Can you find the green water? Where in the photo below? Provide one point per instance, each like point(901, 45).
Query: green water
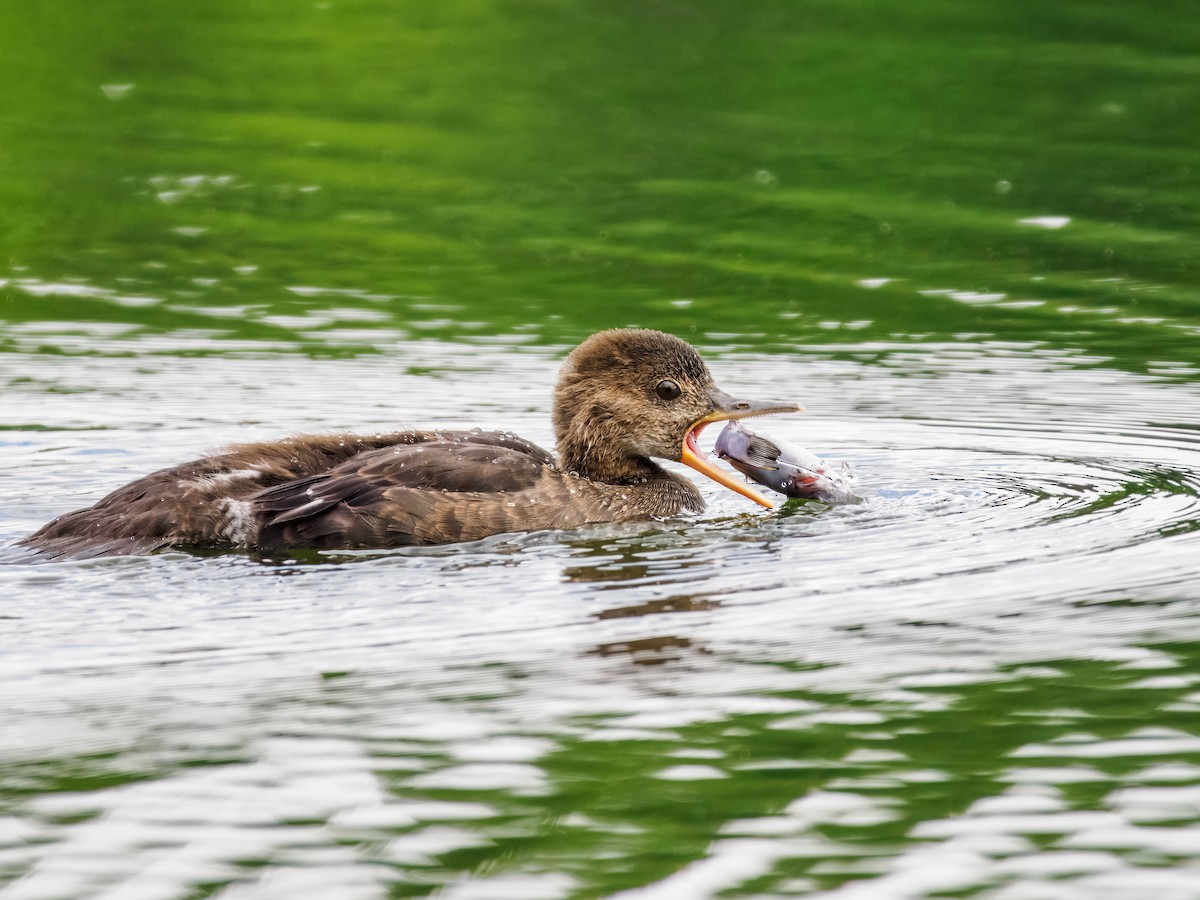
point(557, 168)
point(965, 234)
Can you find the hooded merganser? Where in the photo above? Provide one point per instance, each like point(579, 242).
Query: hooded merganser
point(624, 397)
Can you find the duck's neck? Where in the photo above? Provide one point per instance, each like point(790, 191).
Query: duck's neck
point(597, 443)
point(590, 455)
point(643, 484)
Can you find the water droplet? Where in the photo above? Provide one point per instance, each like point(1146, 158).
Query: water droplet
point(116, 91)
point(1051, 222)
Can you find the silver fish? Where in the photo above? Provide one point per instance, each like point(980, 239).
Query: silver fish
point(782, 466)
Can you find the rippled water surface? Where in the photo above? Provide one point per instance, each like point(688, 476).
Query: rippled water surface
point(965, 239)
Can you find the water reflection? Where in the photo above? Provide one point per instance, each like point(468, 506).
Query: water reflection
point(972, 666)
point(672, 604)
point(650, 651)
point(649, 560)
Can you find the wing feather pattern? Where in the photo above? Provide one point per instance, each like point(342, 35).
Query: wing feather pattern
point(348, 491)
point(431, 492)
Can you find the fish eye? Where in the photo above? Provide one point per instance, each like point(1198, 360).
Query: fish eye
point(668, 389)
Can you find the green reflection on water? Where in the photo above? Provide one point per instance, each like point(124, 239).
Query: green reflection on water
point(615, 822)
point(561, 168)
point(612, 817)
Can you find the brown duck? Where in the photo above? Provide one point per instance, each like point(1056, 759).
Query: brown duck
point(623, 398)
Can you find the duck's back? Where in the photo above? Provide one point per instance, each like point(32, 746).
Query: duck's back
point(349, 491)
point(201, 503)
point(454, 486)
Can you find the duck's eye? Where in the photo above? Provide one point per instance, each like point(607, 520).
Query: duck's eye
point(668, 389)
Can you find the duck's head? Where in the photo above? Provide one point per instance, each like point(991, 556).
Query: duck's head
point(626, 395)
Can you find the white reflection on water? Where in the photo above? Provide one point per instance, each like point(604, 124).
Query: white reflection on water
point(340, 728)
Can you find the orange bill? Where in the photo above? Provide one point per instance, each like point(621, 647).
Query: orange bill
point(726, 407)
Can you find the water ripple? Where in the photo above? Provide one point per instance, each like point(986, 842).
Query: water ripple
point(409, 721)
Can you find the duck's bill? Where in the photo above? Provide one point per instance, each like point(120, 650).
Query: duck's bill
point(726, 407)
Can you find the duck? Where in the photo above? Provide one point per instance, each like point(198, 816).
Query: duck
point(624, 400)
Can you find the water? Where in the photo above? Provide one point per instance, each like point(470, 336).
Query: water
point(252, 220)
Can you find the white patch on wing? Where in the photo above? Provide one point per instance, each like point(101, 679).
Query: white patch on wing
point(237, 522)
point(220, 479)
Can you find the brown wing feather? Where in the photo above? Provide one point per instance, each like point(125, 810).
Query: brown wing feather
point(392, 496)
point(195, 503)
point(184, 504)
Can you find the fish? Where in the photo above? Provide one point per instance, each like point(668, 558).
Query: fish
point(783, 466)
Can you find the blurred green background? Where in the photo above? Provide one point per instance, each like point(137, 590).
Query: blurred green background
point(739, 173)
